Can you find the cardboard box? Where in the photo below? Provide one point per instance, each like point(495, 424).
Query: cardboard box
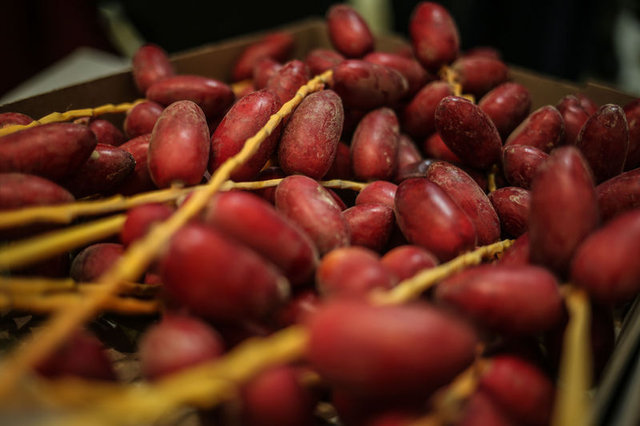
point(615, 399)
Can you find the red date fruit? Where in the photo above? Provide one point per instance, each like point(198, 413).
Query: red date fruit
point(435, 148)
point(564, 209)
point(93, 261)
point(604, 142)
point(428, 217)
point(277, 396)
point(587, 104)
point(374, 148)
point(349, 33)
point(418, 117)
point(480, 410)
point(520, 163)
point(299, 308)
point(105, 169)
point(370, 225)
point(219, 279)
point(606, 263)
point(13, 118)
point(506, 105)
point(277, 46)
point(257, 224)
point(150, 65)
point(542, 129)
point(411, 69)
point(141, 118)
point(520, 389)
point(82, 355)
point(632, 113)
point(574, 117)
point(388, 350)
point(286, 81)
point(245, 118)
point(352, 273)
point(141, 218)
point(175, 343)
point(22, 190)
point(212, 96)
point(468, 132)
point(310, 140)
point(408, 154)
point(478, 74)
point(407, 260)
point(321, 60)
point(466, 193)
point(263, 71)
point(434, 35)
point(269, 193)
point(619, 194)
point(53, 151)
point(512, 205)
point(313, 208)
point(106, 133)
point(341, 166)
point(502, 298)
point(140, 179)
point(378, 192)
point(179, 145)
point(518, 253)
point(363, 85)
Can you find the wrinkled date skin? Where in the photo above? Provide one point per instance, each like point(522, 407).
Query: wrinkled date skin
point(150, 64)
point(468, 132)
point(321, 60)
point(243, 120)
point(52, 151)
point(21, 190)
point(378, 192)
point(520, 389)
point(418, 117)
point(407, 260)
point(478, 74)
point(619, 194)
point(606, 263)
point(434, 35)
point(512, 205)
point(408, 349)
point(105, 169)
point(507, 105)
point(516, 300)
point(542, 129)
point(106, 133)
point(574, 116)
point(564, 209)
point(213, 96)
point(141, 118)
point(286, 81)
point(428, 217)
point(374, 148)
point(277, 46)
point(632, 113)
point(349, 33)
point(370, 225)
point(140, 179)
point(363, 85)
point(466, 193)
point(258, 225)
point(411, 69)
point(352, 273)
point(309, 205)
point(219, 279)
point(604, 142)
point(520, 163)
point(310, 140)
point(179, 145)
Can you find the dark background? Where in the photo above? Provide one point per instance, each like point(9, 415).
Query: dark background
point(568, 39)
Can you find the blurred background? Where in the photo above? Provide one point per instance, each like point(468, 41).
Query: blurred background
point(53, 43)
